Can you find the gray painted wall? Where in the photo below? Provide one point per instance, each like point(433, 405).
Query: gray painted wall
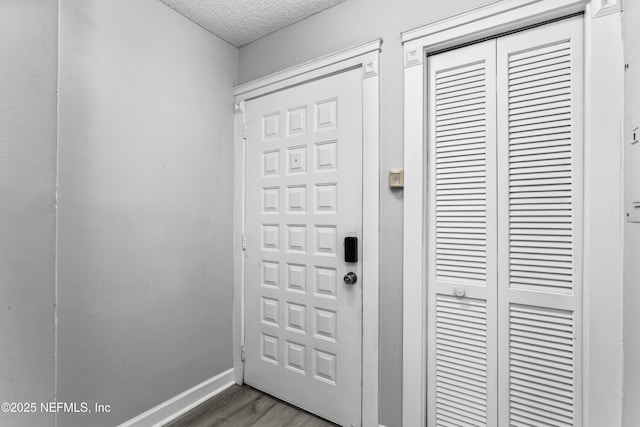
point(348, 24)
point(28, 78)
point(145, 218)
point(145, 206)
point(631, 395)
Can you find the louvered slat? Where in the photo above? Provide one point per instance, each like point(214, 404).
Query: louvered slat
point(541, 367)
point(461, 361)
point(540, 166)
point(460, 159)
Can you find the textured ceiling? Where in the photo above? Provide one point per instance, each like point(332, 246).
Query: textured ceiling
point(242, 21)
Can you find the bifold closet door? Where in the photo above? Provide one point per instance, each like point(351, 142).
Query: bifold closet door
point(540, 141)
point(462, 202)
point(505, 231)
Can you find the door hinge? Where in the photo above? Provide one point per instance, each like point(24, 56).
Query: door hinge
point(239, 108)
point(242, 353)
point(244, 242)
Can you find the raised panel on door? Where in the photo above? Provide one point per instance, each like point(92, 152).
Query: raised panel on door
point(461, 248)
point(540, 216)
point(303, 196)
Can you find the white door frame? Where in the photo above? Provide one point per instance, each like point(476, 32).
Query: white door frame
point(603, 213)
point(365, 57)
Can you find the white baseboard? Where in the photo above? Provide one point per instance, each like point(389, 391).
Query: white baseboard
point(182, 403)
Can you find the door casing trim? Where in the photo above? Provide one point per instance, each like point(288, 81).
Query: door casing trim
point(365, 57)
point(603, 238)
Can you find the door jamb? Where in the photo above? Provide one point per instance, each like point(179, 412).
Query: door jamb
point(365, 57)
point(603, 238)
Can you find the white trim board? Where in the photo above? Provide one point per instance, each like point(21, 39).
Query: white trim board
point(490, 17)
point(307, 71)
point(182, 403)
point(603, 214)
point(365, 57)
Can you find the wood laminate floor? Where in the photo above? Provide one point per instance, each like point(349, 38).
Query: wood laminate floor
point(242, 406)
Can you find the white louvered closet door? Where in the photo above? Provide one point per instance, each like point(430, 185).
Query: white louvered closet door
point(504, 220)
point(462, 276)
point(540, 142)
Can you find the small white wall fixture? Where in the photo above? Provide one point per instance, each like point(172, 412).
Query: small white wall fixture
point(365, 57)
point(603, 214)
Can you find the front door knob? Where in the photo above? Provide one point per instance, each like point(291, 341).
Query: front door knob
point(350, 278)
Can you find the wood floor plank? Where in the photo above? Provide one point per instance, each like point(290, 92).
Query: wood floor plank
point(243, 406)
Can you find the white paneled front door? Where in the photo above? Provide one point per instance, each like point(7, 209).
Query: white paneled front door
point(303, 323)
